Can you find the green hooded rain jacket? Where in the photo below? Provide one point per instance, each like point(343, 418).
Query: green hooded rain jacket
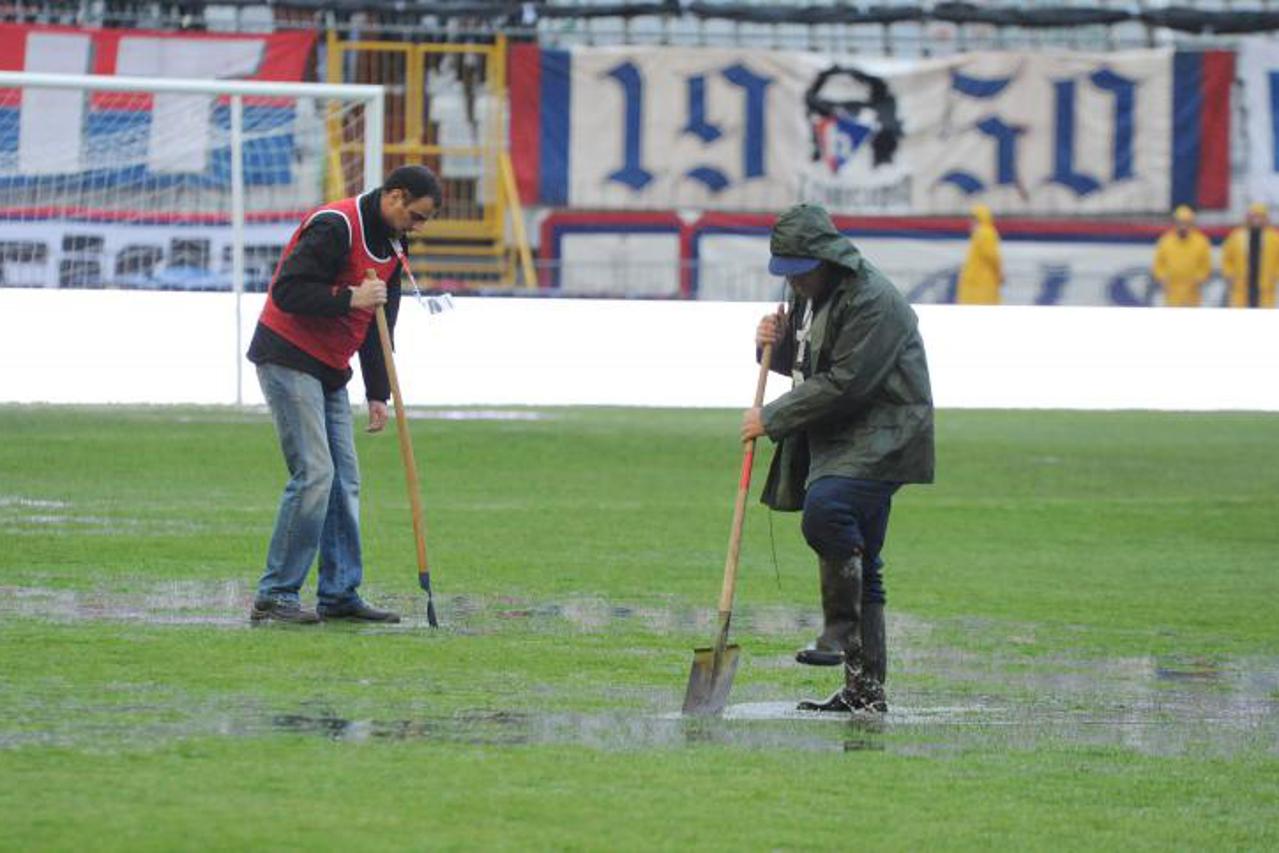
point(865, 407)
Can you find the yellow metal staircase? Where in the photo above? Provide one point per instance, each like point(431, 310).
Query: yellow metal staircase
point(479, 238)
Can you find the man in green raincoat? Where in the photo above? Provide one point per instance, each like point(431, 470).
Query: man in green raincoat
point(856, 426)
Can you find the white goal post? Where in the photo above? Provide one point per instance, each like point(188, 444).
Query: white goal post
point(167, 184)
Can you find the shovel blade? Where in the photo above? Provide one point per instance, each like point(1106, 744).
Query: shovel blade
point(710, 680)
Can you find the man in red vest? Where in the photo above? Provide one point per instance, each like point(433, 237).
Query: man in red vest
point(319, 312)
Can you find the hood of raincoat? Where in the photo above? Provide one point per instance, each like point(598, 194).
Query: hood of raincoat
point(806, 231)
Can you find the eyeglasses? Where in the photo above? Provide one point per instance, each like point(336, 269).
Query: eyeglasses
point(415, 217)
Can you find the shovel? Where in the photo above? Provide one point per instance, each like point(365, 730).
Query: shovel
point(712, 675)
point(410, 464)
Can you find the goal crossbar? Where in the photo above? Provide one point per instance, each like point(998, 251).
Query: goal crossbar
point(373, 96)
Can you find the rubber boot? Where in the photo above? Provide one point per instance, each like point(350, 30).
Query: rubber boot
point(874, 642)
point(841, 605)
point(848, 634)
point(864, 683)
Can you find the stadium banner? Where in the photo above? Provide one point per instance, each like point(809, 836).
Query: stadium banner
point(725, 257)
point(1202, 109)
point(141, 256)
point(1027, 133)
point(1045, 262)
point(281, 56)
point(594, 253)
point(172, 136)
point(1259, 72)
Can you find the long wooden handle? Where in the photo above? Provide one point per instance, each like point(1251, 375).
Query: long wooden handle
point(406, 445)
point(739, 508)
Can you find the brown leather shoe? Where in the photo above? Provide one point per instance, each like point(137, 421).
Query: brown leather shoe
point(356, 611)
point(269, 610)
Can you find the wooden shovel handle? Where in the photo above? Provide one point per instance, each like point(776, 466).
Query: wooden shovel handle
point(739, 508)
point(406, 445)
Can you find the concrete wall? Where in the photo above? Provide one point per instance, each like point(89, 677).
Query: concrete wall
point(69, 346)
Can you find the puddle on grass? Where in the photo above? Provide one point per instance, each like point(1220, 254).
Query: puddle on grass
point(610, 731)
point(26, 516)
point(174, 603)
point(228, 602)
point(1170, 726)
point(942, 699)
point(7, 501)
point(1157, 723)
point(1177, 726)
point(1162, 723)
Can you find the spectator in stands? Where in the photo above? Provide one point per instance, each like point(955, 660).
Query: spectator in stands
point(1250, 260)
point(319, 312)
point(857, 424)
point(983, 270)
point(1183, 261)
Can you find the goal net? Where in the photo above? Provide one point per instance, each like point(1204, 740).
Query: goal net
point(113, 182)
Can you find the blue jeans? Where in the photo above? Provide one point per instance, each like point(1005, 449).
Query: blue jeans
point(320, 508)
point(843, 515)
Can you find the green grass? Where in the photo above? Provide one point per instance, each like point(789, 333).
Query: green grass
point(1060, 563)
point(295, 792)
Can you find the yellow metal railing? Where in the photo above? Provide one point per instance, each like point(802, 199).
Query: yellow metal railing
point(474, 217)
point(511, 190)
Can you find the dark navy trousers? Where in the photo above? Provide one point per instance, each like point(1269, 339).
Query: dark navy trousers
point(844, 515)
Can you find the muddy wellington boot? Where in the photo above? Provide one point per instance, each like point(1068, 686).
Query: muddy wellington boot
point(864, 676)
point(874, 642)
point(861, 692)
point(847, 698)
point(841, 602)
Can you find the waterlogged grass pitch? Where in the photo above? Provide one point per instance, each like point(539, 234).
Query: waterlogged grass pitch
point(1082, 636)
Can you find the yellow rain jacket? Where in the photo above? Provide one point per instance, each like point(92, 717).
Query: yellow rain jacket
point(1182, 265)
point(983, 270)
point(1234, 266)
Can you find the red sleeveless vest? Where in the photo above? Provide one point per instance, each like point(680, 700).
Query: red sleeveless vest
point(333, 340)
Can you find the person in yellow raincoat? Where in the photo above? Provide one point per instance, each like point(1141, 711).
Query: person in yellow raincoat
point(1183, 260)
point(1250, 260)
point(983, 270)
